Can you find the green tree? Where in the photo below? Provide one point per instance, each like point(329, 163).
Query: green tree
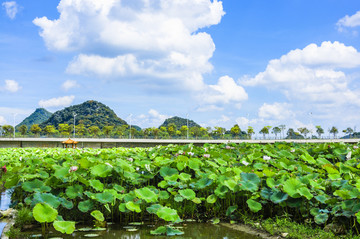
point(49, 130)
point(94, 130)
point(282, 127)
point(35, 129)
point(8, 130)
point(107, 130)
point(156, 132)
point(334, 131)
point(203, 132)
point(276, 130)
point(265, 130)
point(219, 131)
point(304, 131)
point(171, 129)
point(319, 130)
point(64, 129)
point(250, 131)
point(184, 131)
point(349, 131)
point(195, 131)
point(23, 129)
point(133, 132)
point(235, 131)
point(80, 129)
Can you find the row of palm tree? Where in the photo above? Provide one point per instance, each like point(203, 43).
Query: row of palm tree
point(171, 131)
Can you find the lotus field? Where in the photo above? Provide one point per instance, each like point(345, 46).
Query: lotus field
point(312, 183)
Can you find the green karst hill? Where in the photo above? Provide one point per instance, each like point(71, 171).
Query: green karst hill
point(88, 113)
point(39, 116)
point(178, 121)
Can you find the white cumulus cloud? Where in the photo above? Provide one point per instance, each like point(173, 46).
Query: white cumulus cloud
point(349, 21)
point(69, 84)
point(11, 9)
point(11, 86)
point(159, 39)
point(57, 102)
point(276, 111)
point(152, 119)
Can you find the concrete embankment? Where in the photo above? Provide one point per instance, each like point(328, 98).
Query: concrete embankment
point(111, 143)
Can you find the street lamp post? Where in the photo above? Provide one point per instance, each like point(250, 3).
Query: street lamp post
point(74, 114)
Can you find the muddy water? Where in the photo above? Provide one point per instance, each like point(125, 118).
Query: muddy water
point(191, 230)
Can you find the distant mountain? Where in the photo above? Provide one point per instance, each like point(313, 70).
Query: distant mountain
point(88, 113)
point(39, 116)
point(178, 121)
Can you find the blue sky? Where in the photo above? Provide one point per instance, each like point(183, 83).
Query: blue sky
point(258, 63)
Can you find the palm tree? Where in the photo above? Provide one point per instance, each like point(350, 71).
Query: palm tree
point(334, 131)
point(304, 131)
point(319, 130)
point(250, 131)
point(349, 131)
point(282, 127)
point(276, 130)
point(265, 130)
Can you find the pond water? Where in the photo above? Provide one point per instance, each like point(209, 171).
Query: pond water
point(5, 200)
point(190, 229)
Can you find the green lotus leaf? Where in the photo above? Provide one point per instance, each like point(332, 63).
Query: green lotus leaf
point(270, 182)
point(162, 184)
point(322, 198)
point(291, 187)
point(67, 227)
point(74, 191)
point(307, 158)
point(216, 221)
point(196, 200)
point(254, 205)
point(203, 183)
point(188, 194)
point(249, 182)
point(101, 170)
point(231, 184)
point(194, 163)
point(230, 210)
point(344, 194)
point(211, 199)
point(123, 166)
point(167, 171)
point(180, 166)
point(331, 169)
point(133, 207)
point(66, 203)
point(357, 216)
point(321, 218)
point(119, 188)
point(178, 198)
point(104, 197)
point(153, 208)
point(61, 173)
point(11, 181)
point(184, 177)
point(269, 173)
point(164, 195)
point(48, 198)
point(85, 206)
point(146, 194)
point(168, 214)
point(221, 191)
point(304, 191)
point(35, 186)
point(98, 215)
point(266, 193)
point(97, 185)
point(278, 197)
point(159, 231)
point(170, 231)
point(43, 212)
point(122, 207)
point(221, 162)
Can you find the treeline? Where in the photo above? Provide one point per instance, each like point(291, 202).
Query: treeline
point(170, 132)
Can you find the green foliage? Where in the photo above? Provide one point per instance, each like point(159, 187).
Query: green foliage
point(39, 116)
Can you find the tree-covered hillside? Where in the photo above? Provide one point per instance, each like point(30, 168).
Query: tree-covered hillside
point(178, 121)
point(39, 116)
point(89, 113)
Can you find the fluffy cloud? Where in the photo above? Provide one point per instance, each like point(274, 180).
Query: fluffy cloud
point(2, 120)
point(221, 122)
point(152, 119)
point(158, 39)
point(11, 9)
point(11, 86)
point(57, 102)
point(349, 21)
point(224, 92)
point(312, 76)
point(69, 84)
point(276, 111)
